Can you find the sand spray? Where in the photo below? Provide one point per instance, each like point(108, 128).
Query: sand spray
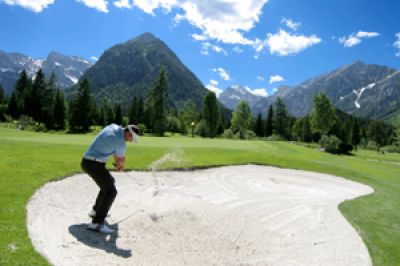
point(175, 158)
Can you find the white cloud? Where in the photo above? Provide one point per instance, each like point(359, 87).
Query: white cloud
point(214, 89)
point(274, 90)
point(397, 44)
point(123, 4)
point(149, 5)
point(260, 92)
point(221, 20)
point(99, 5)
point(94, 58)
point(259, 45)
point(283, 43)
point(213, 82)
point(206, 46)
point(260, 78)
point(290, 23)
point(237, 49)
point(364, 34)
point(222, 73)
point(275, 78)
point(355, 39)
point(199, 37)
point(33, 5)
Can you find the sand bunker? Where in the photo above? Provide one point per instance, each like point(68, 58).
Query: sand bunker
point(236, 215)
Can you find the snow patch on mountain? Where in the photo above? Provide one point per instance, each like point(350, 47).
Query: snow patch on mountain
point(359, 94)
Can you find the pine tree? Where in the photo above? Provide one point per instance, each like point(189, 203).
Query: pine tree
point(307, 135)
point(80, 118)
point(118, 115)
point(269, 123)
point(48, 99)
point(259, 126)
point(94, 112)
point(106, 114)
point(59, 110)
point(323, 116)
point(376, 132)
point(157, 103)
point(22, 95)
point(281, 119)
point(211, 113)
point(241, 119)
point(356, 135)
point(133, 115)
point(36, 98)
point(12, 109)
point(2, 94)
point(297, 129)
point(140, 111)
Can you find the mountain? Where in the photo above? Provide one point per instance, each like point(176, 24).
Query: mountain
point(68, 69)
point(378, 100)
point(263, 105)
point(363, 90)
point(339, 84)
point(231, 96)
point(130, 69)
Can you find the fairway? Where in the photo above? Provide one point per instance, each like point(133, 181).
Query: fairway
point(29, 160)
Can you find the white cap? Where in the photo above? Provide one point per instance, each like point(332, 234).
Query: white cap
point(135, 131)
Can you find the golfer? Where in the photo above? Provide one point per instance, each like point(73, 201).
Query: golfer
point(110, 141)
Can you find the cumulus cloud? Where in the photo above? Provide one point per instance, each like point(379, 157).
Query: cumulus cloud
point(275, 78)
point(260, 92)
point(99, 5)
point(284, 44)
point(123, 4)
point(199, 37)
point(149, 6)
point(397, 44)
point(237, 49)
point(290, 23)
point(260, 78)
point(33, 5)
point(222, 73)
point(94, 58)
point(221, 20)
point(214, 89)
point(206, 46)
point(213, 82)
point(355, 39)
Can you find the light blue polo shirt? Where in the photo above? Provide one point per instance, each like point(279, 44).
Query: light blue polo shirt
point(109, 141)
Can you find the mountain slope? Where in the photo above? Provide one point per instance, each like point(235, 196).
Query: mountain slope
point(337, 85)
point(130, 69)
point(367, 91)
point(231, 96)
point(67, 68)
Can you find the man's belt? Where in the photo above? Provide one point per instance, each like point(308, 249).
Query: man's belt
point(91, 158)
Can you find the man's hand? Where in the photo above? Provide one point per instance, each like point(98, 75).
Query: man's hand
point(119, 163)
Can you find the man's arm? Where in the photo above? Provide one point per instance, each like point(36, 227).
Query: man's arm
point(119, 162)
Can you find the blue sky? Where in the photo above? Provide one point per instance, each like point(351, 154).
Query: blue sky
point(259, 44)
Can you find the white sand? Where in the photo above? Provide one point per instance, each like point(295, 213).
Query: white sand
point(237, 215)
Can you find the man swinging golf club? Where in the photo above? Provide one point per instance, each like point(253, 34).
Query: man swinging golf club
point(110, 141)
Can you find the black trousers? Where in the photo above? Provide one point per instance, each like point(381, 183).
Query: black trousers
point(106, 183)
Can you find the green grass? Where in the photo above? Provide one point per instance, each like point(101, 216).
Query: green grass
point(29, 160)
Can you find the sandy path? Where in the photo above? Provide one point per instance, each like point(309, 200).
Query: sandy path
point(237, 215)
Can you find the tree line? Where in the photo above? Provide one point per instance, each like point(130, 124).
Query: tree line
point(40, 100)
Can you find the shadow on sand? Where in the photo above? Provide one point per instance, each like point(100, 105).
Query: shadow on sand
point(98, 240)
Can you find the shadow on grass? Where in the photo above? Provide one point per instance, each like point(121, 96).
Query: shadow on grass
point(98, 240)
